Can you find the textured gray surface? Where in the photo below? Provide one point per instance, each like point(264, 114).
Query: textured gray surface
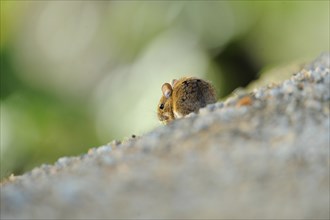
point(268, 158)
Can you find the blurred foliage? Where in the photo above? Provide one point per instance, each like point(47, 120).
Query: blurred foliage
point(78, 74)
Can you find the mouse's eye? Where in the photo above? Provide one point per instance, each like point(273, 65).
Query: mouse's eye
point(161, 106)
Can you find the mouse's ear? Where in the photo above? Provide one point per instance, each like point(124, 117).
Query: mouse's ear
point(174, 81)
point(167, 90)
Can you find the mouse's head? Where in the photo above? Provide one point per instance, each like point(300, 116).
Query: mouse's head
point(164, 108)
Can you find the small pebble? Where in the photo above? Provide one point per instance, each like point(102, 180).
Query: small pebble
point(103, 149)
point(288, 86)
point(191, 114)
point(247, 100)
point(219, 105)
point(62, 162)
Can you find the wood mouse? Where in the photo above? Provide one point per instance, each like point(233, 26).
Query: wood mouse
point(184, 96)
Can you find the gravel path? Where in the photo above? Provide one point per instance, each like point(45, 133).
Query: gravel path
point(263, 155)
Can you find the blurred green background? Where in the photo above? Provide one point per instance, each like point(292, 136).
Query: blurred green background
point(78, 74)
